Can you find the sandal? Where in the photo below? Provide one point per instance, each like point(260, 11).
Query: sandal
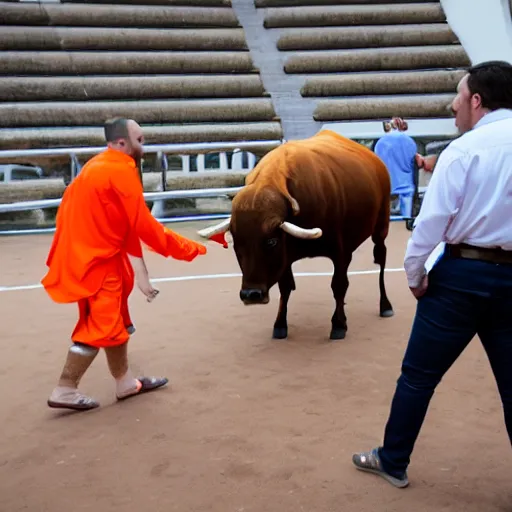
point(77, 402)
point(147, 384)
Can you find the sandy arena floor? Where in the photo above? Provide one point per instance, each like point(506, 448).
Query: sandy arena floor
point(248, 424)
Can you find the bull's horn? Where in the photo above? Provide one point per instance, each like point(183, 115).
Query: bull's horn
point(221, 227)
point(296, 231)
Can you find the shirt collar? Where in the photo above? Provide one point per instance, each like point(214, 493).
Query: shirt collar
point(115, 154)
point(495, 115)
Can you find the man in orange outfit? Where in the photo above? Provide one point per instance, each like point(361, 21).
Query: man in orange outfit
point(95, 257)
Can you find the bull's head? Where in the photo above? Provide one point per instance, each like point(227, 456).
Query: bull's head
point(259, 234)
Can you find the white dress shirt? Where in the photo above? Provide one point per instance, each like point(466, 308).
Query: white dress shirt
point(469, 198)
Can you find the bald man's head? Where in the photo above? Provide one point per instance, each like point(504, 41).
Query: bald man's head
point(116, 129)
point(125, 135)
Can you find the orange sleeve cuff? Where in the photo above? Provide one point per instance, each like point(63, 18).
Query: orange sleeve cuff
point(180, 247)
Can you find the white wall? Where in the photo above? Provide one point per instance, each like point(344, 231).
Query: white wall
point(484, 28)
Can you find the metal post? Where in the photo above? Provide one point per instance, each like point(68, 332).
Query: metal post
point(75, 166)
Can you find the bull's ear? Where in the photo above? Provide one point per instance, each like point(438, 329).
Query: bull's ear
point(283, 184)
point(295, 205)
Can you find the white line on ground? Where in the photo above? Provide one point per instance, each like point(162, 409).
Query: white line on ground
point(211, 276)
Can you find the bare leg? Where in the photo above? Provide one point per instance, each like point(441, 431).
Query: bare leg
point(286, 286)
point(126, 384)
point(66, 394)
point(339, 285)
point(117, 359)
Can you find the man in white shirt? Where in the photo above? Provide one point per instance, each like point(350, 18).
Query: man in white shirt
point(468, 291)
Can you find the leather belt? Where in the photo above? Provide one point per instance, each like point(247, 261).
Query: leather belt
point(491, 255)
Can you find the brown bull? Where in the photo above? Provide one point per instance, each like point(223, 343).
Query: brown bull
point(338, 194)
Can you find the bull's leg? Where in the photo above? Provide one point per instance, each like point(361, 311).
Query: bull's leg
point(379, 255)
point(339, 286)
point(286, 286)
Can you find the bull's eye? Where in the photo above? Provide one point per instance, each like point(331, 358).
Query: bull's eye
point(272, 242)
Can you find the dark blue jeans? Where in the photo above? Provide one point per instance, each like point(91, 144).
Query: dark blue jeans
point(464, 298)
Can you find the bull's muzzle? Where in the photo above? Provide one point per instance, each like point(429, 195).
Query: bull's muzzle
point(253, 296)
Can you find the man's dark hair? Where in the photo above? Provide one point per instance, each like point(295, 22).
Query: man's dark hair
point(115, 129)
point(492, 80)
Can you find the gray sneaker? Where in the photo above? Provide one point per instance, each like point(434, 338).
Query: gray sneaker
point(370, 462)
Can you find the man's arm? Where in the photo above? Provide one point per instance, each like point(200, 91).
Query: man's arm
point(440, 205)
point(144, 226)
point(142, 277)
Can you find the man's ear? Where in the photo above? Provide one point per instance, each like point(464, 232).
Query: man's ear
point(476, 100)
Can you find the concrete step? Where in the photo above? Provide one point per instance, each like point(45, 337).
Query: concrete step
point(363, 84)
point(349, 15)
point(316, 3)
point(31, 114)
point(57, 14)
point(366, 37)
point(122, 39)
point(186, 3)
point(417, 57)
point(87, 88)
point(73, 136)
point(378, 107)
point(123, 62)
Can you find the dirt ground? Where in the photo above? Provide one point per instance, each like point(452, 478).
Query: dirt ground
point(248, 424)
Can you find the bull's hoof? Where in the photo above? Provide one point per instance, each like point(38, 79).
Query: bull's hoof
point(280, 333)
point(338, 333)
point(388, 313)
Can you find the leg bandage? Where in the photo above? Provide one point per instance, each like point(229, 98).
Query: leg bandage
point(81, 349)
point(66, 393)
point(80, 357)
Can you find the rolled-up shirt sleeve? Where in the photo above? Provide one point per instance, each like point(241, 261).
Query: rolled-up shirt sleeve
point(440, 206)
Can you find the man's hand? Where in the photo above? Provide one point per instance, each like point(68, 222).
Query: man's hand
point(420, 290)
point(146, 288)
point(400, 123)
point(142, 278)
point(396, 123)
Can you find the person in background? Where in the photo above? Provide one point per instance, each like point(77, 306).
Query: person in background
point(399, 152)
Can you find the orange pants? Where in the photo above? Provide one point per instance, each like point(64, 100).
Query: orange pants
point(104, 317)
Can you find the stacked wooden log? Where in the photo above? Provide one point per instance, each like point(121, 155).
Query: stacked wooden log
point(181, 68)
point(369, 59)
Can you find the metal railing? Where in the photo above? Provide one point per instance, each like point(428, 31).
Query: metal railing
point(193, 147)
point(41, 204)
point(160, 149)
